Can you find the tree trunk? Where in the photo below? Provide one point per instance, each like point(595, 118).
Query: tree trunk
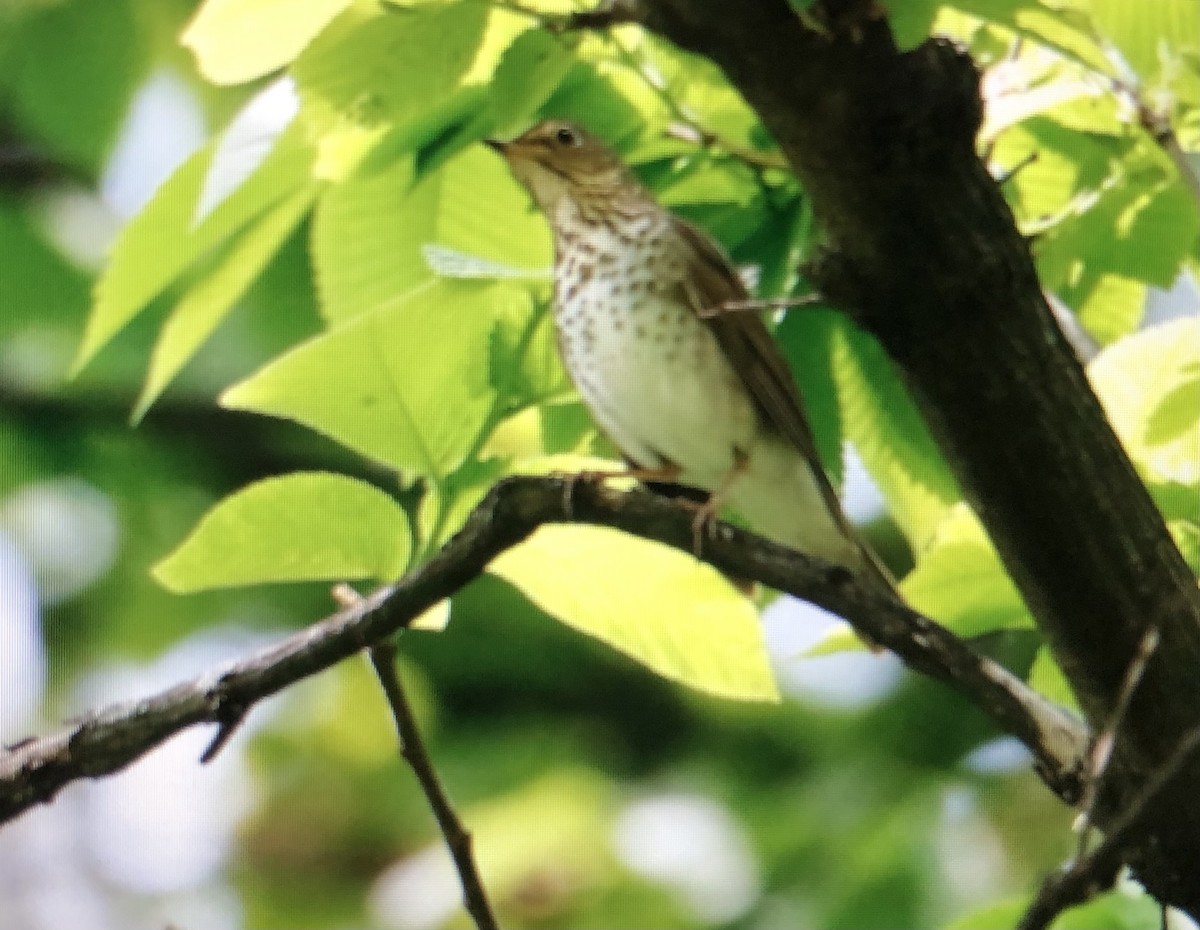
point(923, 250)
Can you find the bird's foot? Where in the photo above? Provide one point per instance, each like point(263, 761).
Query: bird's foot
point(706, 514)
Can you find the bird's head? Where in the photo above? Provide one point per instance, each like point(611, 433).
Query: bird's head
point(557, 160)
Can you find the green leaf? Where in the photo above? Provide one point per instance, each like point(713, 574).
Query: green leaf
point(306, 526)
point(1186, 534)
point(380, 70)
point(1149, 384)
point(211, 299)
point(371, 234)
point(164, 240)
point(911, 21)
point(1047, 679)
point(675, 615)
point(806, 339)
point(247, 142)
point(1108, 305)
point(68, 74)
point(1070, 32)
point(239, 40)
point(1149, 35)
point(1142, 225)
point(529, 72)
point(960, 582)
point(881, 420)
point(407, 385)
point(526, 366)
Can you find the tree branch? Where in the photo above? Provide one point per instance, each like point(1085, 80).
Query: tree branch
point(1096, 872)
point(35, 770)
point(412, 748)
point(923, 250)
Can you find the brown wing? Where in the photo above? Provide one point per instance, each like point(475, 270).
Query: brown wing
point(710, 281)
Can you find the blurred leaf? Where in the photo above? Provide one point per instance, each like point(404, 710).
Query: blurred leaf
point(306, 526)
point(246, 142)
point(1047, 679)
point(959, 581)
point(806, 337)
point(210, 299)
point(887, 430)
point(38, 288)
point(70, 71)
point(1058, 26)
point(398, 70)
point(1186, 534)
point(1149, 384)
point(406, 385)
point(162, 241)
point(371, 234)
point(1149, 34)
point(911, 21)
point(1141, 224)
point(556, 826)
point(528, 73)
point(1124, 909)
point(240, 40)
point(674, 614)
point(1109, 306)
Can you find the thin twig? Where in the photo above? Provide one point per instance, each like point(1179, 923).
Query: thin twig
point(1158, 125)
point(1097, 871)
point(413, 751)
point(35, 770)
point(412, 748)
point(1101, 751)
point(761, 303)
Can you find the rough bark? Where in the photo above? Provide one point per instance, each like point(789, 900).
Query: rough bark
point(924, 252)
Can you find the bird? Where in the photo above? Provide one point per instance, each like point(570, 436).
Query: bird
point(686, 389)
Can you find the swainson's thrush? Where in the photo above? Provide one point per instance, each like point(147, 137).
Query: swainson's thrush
point(684, 390)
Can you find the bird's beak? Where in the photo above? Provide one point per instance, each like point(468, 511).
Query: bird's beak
point(496, 145)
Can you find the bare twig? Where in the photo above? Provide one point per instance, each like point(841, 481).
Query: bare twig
point(1158, 125)
point(1098, 870)
point(33, 771)
point(761, 303)
point(413, 751)
point(412, 748)
point(1101, 750)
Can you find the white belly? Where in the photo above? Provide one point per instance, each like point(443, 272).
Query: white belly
point(658, 384)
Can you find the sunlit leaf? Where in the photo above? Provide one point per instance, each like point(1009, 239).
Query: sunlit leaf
point(960, 582)
point(373, 235)
point(399, 71)
point(209, 300)
point(1148, 35)
point(1149, 384)
point(674, 614)
point(881, 420)
point(306, 526)
point(407, 385)
point(247, 141)
point(163, 241)
point(239, 40)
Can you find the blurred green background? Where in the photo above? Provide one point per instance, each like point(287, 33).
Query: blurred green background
point(600, 795)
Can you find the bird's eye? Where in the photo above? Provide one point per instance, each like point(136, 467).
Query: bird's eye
point(565, 136)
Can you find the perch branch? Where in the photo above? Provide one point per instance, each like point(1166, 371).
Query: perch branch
point(35, 770)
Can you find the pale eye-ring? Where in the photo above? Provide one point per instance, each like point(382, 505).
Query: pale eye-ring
point(566, 136)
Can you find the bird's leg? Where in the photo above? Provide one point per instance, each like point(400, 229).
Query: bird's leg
point(665, 473)
point(706, 513)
